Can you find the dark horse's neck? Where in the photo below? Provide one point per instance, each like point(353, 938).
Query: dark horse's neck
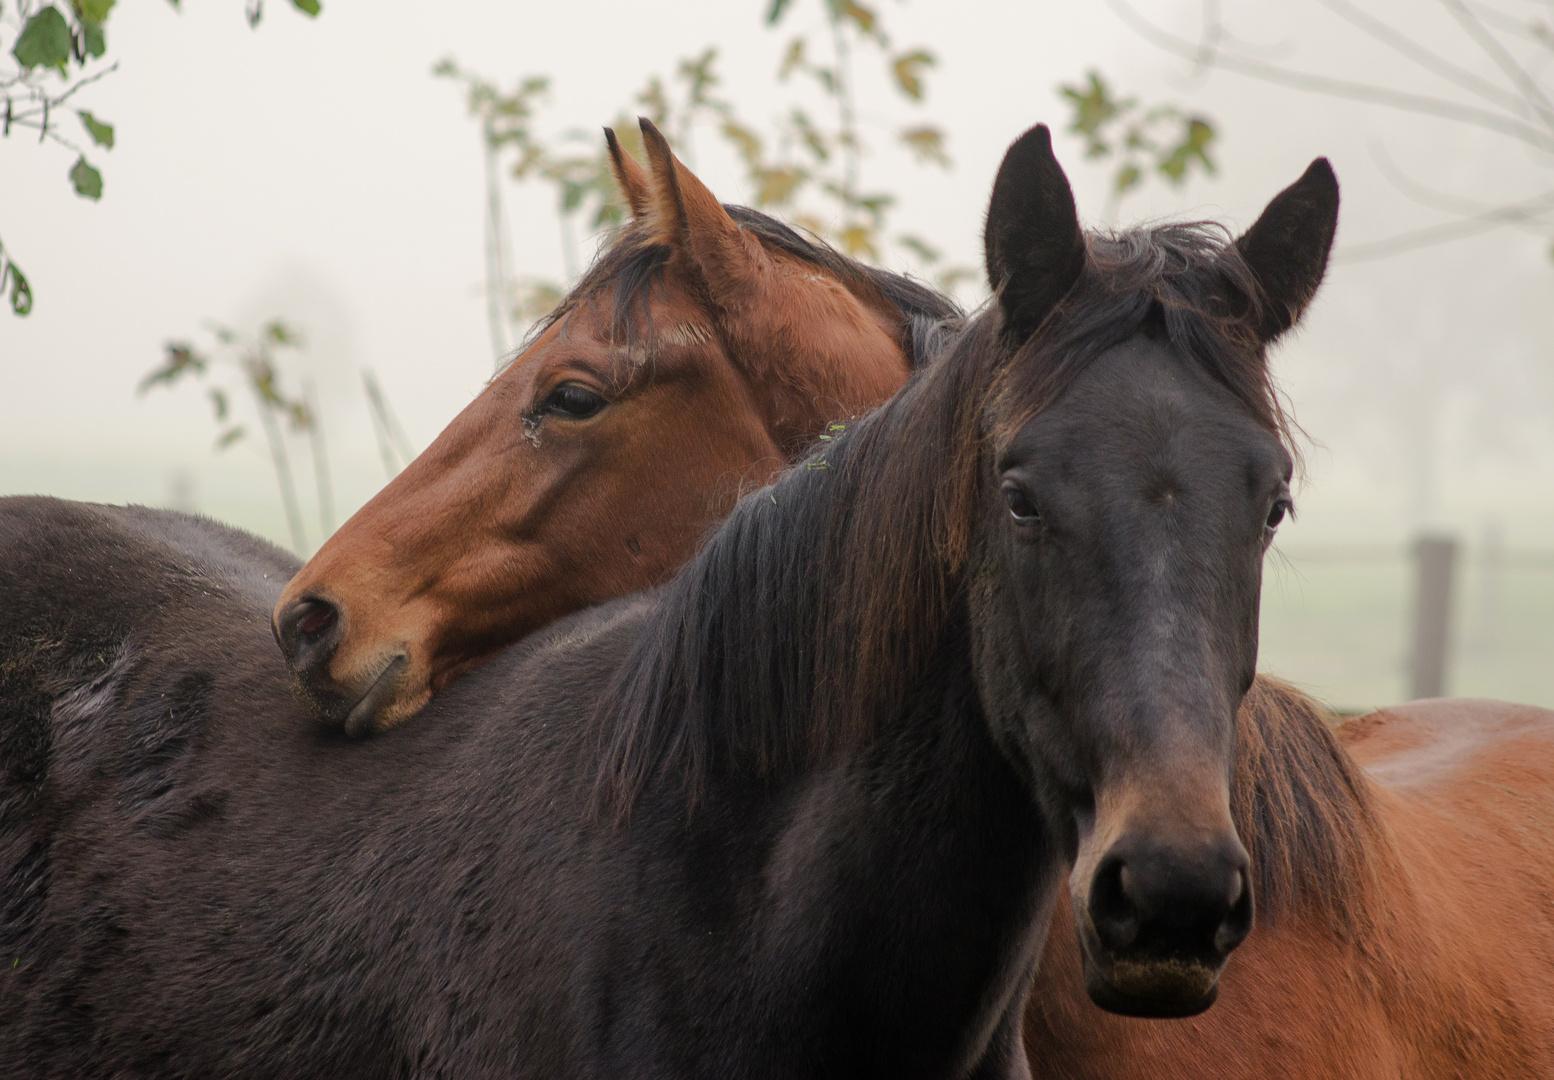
point(802, 627)
point(801, 712)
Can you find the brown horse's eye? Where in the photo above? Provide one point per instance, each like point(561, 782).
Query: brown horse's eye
point(573, 402)
point(1020, 506)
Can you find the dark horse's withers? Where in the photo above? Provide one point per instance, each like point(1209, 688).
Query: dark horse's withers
point(661, 838)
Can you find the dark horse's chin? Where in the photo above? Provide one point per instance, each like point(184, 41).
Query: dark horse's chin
point(1155, 989)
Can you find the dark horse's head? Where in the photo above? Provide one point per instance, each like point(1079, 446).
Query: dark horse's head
point(1135, 468)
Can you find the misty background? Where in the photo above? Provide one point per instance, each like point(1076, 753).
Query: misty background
point(315, 171)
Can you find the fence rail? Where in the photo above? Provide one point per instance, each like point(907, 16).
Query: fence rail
point(1464, 617)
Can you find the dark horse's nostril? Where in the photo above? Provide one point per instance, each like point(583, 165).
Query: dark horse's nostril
point(305, 630)
point(1238, 923)
point(1112, 911)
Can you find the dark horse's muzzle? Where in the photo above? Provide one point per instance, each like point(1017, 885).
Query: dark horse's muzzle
point(1159, 920)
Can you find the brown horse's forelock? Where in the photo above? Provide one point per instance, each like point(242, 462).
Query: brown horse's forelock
point(859, 555)
point(633, 263)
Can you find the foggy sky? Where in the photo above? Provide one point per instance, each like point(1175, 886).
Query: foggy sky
point(315, 170)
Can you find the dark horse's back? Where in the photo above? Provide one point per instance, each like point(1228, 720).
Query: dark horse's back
point(217, 907)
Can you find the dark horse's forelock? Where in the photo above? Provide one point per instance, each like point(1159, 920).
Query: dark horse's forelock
point(1186, 277)
point(633, 264)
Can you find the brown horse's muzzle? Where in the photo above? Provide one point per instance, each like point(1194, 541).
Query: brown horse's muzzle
point(309, 631)
point(1158, 919)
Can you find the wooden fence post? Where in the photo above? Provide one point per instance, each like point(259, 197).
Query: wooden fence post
point(1436, 559)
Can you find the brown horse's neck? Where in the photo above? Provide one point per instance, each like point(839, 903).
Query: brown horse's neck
point(1307, 814)
point(841, 365)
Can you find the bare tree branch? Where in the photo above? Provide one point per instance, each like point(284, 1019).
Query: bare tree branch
point(1340, 88)
point(1438, 200)
point(1431, 235)
point(1531, 91)
point(1404, 45)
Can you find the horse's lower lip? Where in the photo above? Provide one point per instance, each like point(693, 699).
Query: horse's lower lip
point(358, 722)
point(1191, 996)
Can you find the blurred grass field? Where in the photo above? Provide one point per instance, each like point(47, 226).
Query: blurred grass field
point(1339, 626)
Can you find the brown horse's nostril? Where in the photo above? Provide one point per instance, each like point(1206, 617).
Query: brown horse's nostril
point(308, 632)
point(321, 616)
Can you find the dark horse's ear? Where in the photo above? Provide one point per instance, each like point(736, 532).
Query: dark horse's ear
point(1035, 251)
point(1287, 247)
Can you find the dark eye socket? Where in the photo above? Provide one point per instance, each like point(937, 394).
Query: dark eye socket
point(1020, 506)
point(572, 401)
point(1281, 507)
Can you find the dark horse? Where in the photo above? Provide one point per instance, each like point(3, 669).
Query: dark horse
point(803, 812)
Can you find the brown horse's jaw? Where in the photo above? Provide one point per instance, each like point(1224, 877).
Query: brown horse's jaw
point(364, 716)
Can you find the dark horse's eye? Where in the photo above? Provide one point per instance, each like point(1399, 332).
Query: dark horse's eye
point(1280, 508)
point(572, 401)
point(1020, 506)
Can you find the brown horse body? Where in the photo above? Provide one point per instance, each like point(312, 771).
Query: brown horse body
point(1410, 935)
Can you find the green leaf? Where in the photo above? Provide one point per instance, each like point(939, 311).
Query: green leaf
point(92, 11)
point(218, 400)
point(45, 40)
point(228, 437)
point(775, 187)
point(93, 40)
point(181, 359)
point(21, 291)
point(1196, 137)
point(774, 13)
point(793, 58)
point(812, 136)
point(919, 247)
point(1094, 108)
point(281, 334)
point(858, 239)
point(927, 143)
point(101, 133)
point(1127, 178)
point(909, 72)
point(88, 181)
point(863, 17)
point(307, 7)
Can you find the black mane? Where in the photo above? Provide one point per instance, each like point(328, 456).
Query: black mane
point(633, 263)
point(711, 681)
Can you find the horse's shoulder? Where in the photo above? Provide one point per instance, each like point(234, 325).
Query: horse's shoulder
point(1423, 742)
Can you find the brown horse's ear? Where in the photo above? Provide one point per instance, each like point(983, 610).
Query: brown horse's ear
point(1035, 251)
point(629, 176)
point(689, 218)
point(1287, 247)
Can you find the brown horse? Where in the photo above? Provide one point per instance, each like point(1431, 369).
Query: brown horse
point(704, 351)
point(1404, 866)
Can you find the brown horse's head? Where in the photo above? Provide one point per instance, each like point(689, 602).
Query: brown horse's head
point(704, 350)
